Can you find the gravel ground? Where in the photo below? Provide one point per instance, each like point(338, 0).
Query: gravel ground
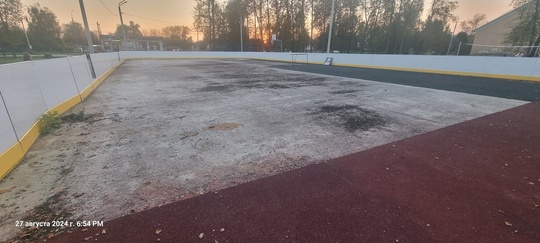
point(159, 131)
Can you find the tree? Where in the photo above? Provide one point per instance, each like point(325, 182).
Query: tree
point(236, 14)
point(10, 17)
point(463, 38)
point(435, 37)
point(176, 37)
point(44, 30)
point(526, 29)
point(74, 34)
point(206, 16)
point(94, 35)
point(132, 30)
point(152, 32)
point(178, 31)
point(409, 22)
point(345, 36)
point(442, 10)
point(472, 24)
point(436, 32)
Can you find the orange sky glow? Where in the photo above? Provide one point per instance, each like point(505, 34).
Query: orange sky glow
point(161, 13)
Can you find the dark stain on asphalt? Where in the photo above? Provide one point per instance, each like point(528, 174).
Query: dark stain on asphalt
point(216, 88)
point(235, 77)
point(344, 92)
point(351, 117)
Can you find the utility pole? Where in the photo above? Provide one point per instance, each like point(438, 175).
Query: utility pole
point(452, 39)
point(122, 22)
point(100, 38)
point(25, 33)
point(311, 31)
point(331, 24)
point(241, 34)
point(88, 36)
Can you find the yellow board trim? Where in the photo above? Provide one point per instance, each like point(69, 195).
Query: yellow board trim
point(66, 105)
point(30, 137)
point(469, 74)
point(14, 153)
point(10, 158)
point(86, 92)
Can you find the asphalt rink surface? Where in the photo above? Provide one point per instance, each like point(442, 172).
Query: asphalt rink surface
point(509, 89)
point(163, 131)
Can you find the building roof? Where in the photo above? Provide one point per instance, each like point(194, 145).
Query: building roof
point(500, 18)
point(142, 38)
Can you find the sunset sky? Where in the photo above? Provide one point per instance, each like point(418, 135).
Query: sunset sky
point(161, 13)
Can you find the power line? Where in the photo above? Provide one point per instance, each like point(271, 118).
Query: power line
point(107, 8)
point(151, 19)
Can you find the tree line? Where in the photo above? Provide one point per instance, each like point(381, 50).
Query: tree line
point(43, 30)
point(45, 33)
point(360, 26)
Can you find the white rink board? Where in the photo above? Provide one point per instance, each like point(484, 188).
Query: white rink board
point(56, 81)
point(22, 95)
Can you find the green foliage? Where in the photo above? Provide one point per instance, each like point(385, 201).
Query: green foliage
point(176, 37)
point(74, 34)
point(469, 26)
point(132, 30)
point(435, 38)
point(49, 122)
point(526, 29)
point(11, 35)
point(44, 30)
point(442, 10)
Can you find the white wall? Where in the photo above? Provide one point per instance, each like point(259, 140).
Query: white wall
point(536, 71)
point(526, 67)
point(55, 80)
point(104, 61)
point(81, 71)
point(22, 95)
point(32, 88)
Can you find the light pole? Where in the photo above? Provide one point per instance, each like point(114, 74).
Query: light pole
point(122, 22)
point(331, 24)
point(72, 15)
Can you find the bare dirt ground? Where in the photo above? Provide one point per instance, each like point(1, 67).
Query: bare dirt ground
point(162, 131)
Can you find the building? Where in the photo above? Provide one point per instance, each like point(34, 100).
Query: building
point(489, 38)
point(144, 43)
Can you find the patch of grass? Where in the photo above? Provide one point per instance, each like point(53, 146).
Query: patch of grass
point(19, 58)
point(49, 122)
